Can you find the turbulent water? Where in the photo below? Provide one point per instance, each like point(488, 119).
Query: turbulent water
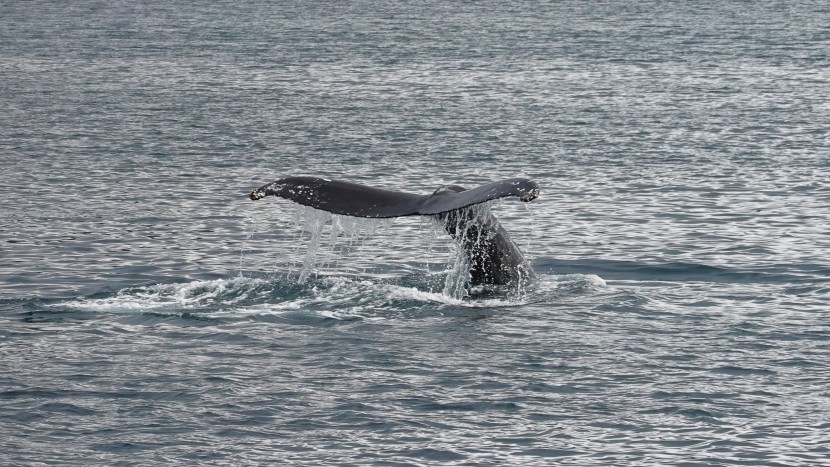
point(151, 314)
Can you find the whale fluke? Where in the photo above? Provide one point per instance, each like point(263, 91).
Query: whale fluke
point(352, 199)
point(493, 257)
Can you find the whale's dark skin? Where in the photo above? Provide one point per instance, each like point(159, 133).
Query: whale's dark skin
point(492, 255)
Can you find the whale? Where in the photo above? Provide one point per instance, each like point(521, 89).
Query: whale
point(491, 255)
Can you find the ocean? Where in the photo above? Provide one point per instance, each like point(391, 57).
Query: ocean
point(152, 314)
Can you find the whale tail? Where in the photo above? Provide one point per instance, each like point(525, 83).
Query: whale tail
point(493, 257)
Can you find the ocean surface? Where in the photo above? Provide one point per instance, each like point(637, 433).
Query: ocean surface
point(151, 314)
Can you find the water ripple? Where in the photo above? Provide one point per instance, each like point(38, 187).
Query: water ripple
point(149, 312)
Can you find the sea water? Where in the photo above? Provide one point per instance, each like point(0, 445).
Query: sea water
point(151, 314)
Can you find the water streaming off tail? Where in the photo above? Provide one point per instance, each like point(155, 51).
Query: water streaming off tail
point(318, 243)
point(331, 237)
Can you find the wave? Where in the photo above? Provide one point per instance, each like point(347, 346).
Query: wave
point(686, 272)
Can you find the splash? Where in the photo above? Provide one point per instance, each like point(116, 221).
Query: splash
point(316, 244)
point(330, 238)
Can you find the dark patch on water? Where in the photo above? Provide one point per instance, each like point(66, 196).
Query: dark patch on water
point(681, 272)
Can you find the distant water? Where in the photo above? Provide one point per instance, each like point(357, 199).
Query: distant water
point(150, 313)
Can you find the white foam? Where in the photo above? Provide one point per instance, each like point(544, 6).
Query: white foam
point(411, 293)
point(333, 296)
point(187, 296)
point(549, 283)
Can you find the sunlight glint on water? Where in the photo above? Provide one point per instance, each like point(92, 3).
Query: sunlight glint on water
point(151, 313)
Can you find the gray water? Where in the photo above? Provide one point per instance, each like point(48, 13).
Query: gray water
point(150, 314)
